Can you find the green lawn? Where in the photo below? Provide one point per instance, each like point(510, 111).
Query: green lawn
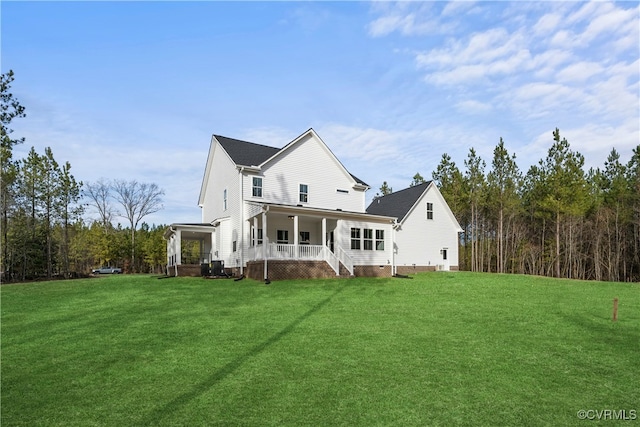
point(437, 349)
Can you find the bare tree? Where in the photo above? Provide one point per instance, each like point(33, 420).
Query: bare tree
point(138, 200)
point(99, 195)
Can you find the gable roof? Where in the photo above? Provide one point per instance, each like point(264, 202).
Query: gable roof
point(244, 153)
point(397, 204)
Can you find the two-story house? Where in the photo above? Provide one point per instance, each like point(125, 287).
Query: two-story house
point(296, 212)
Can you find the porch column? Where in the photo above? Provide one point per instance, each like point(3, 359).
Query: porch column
point(324, 233)
point(296, 252)
point(265, 242)
point(213, 246)
point(255, 232)
point(178, 247)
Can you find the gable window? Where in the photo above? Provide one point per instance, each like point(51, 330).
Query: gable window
point(379, 240)
point(304, 193)
point(224, 200)
point(305, 236)
point(283, 237)
point(429, 210)
point(355, 238)
point(256, 188)
point(368, 239)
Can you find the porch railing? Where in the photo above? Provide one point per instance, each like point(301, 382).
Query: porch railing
point(345, 259)
point(302, 252)
point(286, 251)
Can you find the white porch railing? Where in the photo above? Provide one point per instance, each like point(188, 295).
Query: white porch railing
point(332, 260)
point(302, 252)
point(287, 251)
point(345, 259)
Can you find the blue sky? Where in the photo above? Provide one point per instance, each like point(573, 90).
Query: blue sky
point(134, 90)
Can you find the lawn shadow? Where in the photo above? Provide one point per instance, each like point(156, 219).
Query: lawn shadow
point(157, 415)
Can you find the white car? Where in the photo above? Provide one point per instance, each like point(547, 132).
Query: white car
point(107, 270)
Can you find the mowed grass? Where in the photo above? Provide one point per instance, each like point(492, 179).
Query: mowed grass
point(437, 349)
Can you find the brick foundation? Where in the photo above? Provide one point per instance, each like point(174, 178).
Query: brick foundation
point(186, 270)
point(283, 270)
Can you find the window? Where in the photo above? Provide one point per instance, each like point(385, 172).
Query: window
point(259, 242)
point(368, 239)
point(429, 210)
point(304, 193)
point(235, 245)
point(355, 238)
point(305, 236)
point(257, 187)
point(224, 199)
point(379, 240)
point(283, 237)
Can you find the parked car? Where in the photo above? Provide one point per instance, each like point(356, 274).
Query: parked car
point(107, 270)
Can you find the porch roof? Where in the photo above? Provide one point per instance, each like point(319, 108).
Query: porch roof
point(188, 228)
point(321, 212)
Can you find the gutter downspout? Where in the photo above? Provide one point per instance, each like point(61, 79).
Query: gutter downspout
point(393, 247)
point(265, 240)
point(241, 246)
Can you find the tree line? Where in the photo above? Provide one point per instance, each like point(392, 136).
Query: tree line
point(44, 233)
point(554, 220)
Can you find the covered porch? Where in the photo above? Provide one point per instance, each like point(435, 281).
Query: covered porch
point(294, 234)
point(189, 246)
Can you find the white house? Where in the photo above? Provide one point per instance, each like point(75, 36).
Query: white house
point(296, 212)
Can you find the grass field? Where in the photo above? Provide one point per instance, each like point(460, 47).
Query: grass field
point(437, 349)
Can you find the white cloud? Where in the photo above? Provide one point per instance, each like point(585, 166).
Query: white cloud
point(473, 107)
point(579, 72)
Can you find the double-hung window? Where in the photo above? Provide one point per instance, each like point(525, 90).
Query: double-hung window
point(304, 193)
point(380, 240)
point(368, 239)
point(283, 237)
point(256, 188)
point(429, 210)
point(355, 238)
point(258, 238)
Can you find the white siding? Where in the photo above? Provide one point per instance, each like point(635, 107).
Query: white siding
point(223, 175)
point(222, 241)
point(361, 256)
point(308, 162)
point(420, 240)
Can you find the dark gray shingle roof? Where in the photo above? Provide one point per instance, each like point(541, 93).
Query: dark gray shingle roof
point(246, 153)
point(397, 204)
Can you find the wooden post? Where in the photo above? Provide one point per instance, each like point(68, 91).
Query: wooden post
point(615, 309)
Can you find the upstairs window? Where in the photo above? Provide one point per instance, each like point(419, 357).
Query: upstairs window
point(304, 193)
point(224, 200)
point(355, 238)
point(379, 240)
point(256, 190)
point(429, 210)
point(368, 239)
